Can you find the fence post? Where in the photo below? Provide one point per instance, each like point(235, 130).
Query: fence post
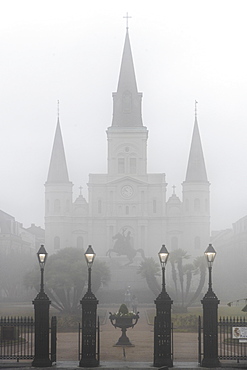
point(199, 341)
point(41, 317)
point(53, 339)
point(210, 330)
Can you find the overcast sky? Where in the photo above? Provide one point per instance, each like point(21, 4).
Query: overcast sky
point(71, 51)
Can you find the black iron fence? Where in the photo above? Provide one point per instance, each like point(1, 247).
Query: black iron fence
point(199, 340)
point(232, 334)
point(232, 339)
point(17, 338)
point(53, 353)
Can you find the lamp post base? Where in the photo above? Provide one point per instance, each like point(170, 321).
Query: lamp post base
point(41, 362)
point(88, 362)
point(211, 362)
point(164, 363)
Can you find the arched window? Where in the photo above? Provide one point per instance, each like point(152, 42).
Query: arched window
point(111, 202)
point(132, 165)
point(142, 202)
point(134, 210)
point(121, 165)
point(154, 206)
point(186, 205)
point(143, 237)
point(197, 242)
point(67, 205)
point(79, 242)
point(197, 205)
point(99, 206)
point(47, 206)
point(174, 243)
point(57, 207)
point(127, 102)
point(56, 243)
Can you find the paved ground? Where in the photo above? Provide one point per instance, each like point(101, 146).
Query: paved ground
point(141, 336)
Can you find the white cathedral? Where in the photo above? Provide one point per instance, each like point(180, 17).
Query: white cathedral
point(127, 201)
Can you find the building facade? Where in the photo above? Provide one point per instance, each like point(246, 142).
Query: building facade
point(14, 238)
point(127, 203)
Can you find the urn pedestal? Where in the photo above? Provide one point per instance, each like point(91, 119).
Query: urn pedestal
point(124, 322)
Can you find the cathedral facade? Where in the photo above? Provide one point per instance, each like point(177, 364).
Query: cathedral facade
point(127, 203)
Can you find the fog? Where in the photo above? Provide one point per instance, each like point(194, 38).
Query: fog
point(71, 51)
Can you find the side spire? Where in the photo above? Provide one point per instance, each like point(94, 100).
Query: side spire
point(127, 99)
point(58, 172)
point(196, 170)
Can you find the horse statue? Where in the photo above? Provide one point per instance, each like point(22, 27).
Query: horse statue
point(123, 247)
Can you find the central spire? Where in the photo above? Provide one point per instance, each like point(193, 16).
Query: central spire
point(127, 99)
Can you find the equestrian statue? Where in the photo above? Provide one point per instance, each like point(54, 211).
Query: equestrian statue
point(122, 246)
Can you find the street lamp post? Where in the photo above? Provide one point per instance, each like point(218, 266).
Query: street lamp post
point(162, 321)
point(210, 317)
point(89, 315)
point(41, 317)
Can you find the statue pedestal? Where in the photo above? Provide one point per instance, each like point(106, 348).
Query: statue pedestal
point(122, 277)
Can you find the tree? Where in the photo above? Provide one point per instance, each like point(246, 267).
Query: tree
point(12, 267)
point(182, 275)
point(176, 259)
point(200, 267)
point(188, 272)
point(149, 269)
point(65, 278)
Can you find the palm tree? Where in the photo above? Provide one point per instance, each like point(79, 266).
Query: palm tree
point(200, 267)
point(188, 270)
point(176, 259)
point(149, 269)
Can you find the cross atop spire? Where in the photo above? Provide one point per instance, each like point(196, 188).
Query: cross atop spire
point(58, 109)
point(127, 20)
point(174, 188)
point(196, 102)
point(80, 190)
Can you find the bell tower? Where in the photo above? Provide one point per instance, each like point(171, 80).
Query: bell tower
point(196, 207)
point(58, 198)
point(127, 137)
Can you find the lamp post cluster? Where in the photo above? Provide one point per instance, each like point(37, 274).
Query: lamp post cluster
point(162, 322)
point(163, 325)
point(41, 315)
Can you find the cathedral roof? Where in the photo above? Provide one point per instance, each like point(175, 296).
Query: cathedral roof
point(196, 170)
point(127, 100)
point(58, 172)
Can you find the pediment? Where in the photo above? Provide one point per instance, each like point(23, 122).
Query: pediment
point(127, 179)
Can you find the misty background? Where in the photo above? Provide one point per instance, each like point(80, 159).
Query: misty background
point(70, 51)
